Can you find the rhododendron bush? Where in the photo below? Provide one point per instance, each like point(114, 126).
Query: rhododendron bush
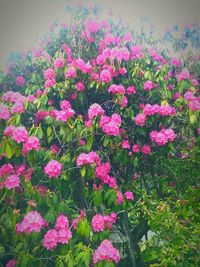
point(99, 146)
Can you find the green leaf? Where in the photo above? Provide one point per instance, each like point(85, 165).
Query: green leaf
point(83, 171)
point(97, 198)
point(193, 118)
point(89, 143)
point(106, 141)
point(9, 151)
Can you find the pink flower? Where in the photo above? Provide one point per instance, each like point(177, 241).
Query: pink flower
point(146, 149)
point(106, 252)
point(125, 144)
point(71, 73)
point(18, 107)
point(88, 159)
point(105, 76)
point(136, 148)
point(32, 222)
point(49, 83)
point(30, 98)
point(53, 168)
point(20, 134)
point(120, 197)
point(64, 235)
point(184, 75)
point(62, 222)
point(11, 263)
point(131, 90)
point(80, 86)
point(6, 169)
point(20, 81)
point(95, 110)
point(140, 119)
point(124, 102)
point(59, 63)
point(98, 223)
point(129, 195)
point(65, 104)
point(116, 89)
point(50, 240)
point(198, 131)
point(12, 181)
point(9, 130)
point(49, 74)
point(148, 85)
point(32, 143)
point(175, 62)
point(4, 112)
point(194, 82)
point(102, 170)
point(54, 149)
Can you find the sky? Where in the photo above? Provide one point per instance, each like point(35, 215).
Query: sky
point(24, 22)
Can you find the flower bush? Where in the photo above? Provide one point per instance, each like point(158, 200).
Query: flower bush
point(116, 125)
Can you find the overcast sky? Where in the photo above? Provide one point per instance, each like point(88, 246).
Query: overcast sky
point(24, 21)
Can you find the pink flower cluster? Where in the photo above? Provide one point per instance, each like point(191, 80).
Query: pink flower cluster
point(183, 75)
point(53, 168)
point(88, 159)
point(58, 63)
point(110, 125)
point(100, 222)
point(161, 138)
point(32, 222)
point(49, 76)
point(140, 119)
point(32, 143)
point(106, 252)
point(116, 89)
point(165, 110)
point(4, 112)
point(102, 172)
point(136, 52)
point(12, 181)
point(61, 233)
point(11, 263)
point(125, 144)
point(105, 76)
point(65, 113)
point(95, 110)
point(20, 134)
point(80, 86)
point(131, 90)
point(16, 99)
point(149, 85)
point(193, 101)
point(20, 81)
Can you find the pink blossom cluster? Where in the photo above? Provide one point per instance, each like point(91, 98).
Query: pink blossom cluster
point(140, 120)
point(116, 89)
point(61, 233)
point(20, 81)
point(80, 86)
point(59, 63)
point(146, 149)
point(161, 138)
point(65, 113)
point(124, 102)
point(100, 222)
point(71, 72)
point(119, 53)
point(4, 112)
point(49, 76)
point(6, 169)
point(53, 168)
point(183, 75)
point(40, 115)
point(106, 252)
point(110, 125)
point(102, 172)
point(11, 263)
point(12, 181)
point(176, 62)
point(193, 101)
point(105, 76)
point(88, 159)
point(95, 110)
point(32, 222)
point(82, 66)
point(136, 52)
point(157, 57)
point(32, 143)
point(164, 110)
point(20, 134)
point(16, 99)
point(131, 90)
point(149, 85)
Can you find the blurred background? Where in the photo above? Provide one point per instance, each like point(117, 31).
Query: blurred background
point(24, 22)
